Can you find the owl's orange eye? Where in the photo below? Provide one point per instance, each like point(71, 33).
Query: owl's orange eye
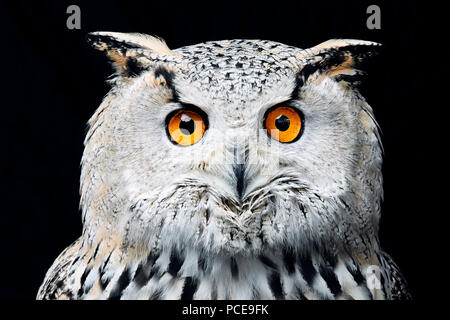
point(284, 124)
point(186, 127)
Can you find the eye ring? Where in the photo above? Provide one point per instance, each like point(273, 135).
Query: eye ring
point(186, 126)
point(284, 123)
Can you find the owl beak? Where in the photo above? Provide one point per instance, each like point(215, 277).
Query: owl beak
point(239, 165)
point(239, 174)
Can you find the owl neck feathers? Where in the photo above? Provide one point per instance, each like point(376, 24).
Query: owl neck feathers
point(191, 274)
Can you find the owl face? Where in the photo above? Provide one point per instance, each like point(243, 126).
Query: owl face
point(232, 147)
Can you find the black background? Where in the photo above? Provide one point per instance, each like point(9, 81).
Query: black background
point(53, 82)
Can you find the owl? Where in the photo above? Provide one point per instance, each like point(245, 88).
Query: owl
point(236, 169)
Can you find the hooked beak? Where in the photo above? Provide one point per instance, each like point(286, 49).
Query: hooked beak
point(240, 164)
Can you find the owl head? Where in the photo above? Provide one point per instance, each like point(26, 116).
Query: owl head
point(232, 147)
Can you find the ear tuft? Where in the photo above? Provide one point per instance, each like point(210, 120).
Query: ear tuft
point(117, 40)
point(341, 59)
point(129, 52)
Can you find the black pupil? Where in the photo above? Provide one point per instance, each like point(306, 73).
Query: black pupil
point(282, 123)
point(187, 125)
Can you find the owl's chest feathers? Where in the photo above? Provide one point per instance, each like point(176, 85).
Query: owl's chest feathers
point(193, 276)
